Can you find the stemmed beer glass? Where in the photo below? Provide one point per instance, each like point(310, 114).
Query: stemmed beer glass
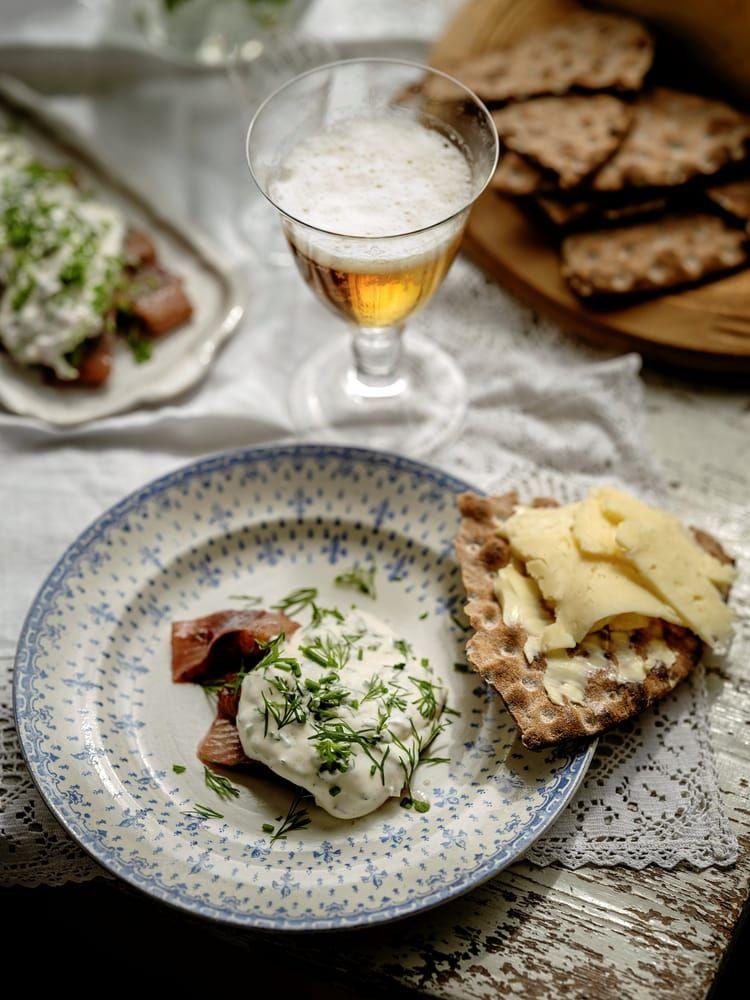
point(373, 166)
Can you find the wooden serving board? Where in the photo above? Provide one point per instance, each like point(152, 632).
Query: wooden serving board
point(704, 328)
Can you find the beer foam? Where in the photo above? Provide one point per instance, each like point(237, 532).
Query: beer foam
point(373, 177)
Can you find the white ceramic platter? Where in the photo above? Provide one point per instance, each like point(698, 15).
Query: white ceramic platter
point(180, 358)
point(101, 723)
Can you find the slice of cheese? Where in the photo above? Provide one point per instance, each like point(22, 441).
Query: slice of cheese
point(585, 592)
point(566, 674)
point(521, 602)
point(665, 558)
point(594, 533)
point(615, 507)
point(596, 522)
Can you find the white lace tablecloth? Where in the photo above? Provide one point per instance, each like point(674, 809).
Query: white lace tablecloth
point(547, 415)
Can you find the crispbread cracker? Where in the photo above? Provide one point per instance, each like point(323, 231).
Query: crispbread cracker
point(515, 175)
point(565, 213)
point(650, 255)
point(734, 198)
point(674, 136)
point(587, 50)
point(570, 135)
point(496, 649)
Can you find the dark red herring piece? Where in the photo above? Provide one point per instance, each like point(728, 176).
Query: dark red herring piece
point(221, 745)
point(211, 646)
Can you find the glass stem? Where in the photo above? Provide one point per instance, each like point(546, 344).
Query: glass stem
point(377, 354)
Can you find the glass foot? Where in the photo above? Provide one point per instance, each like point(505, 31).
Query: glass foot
point(422, 409)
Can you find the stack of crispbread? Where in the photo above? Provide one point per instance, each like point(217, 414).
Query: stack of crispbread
point(584, 615)
point(647, 187)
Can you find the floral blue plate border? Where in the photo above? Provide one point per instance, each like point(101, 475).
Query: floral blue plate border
point(100, 723)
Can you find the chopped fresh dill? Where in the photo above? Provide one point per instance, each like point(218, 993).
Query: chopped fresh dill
point(203, 812)
point(403, 647)
point(304, 598)
point(361, 578)
point(272, 657)
point(334, 741)
point(318, 614)
point(283, 713)
point(412, 754)
point(297, 600)
point(179, 768)
point(423, 615)
point(219, 784)
point(250, 599)
point(327, 652)
point(296, 818)
point(375, 688)
point(141, 347)
point(426, 702)
point(215, 687)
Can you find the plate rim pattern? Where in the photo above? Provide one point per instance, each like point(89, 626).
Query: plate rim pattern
point(555, 798)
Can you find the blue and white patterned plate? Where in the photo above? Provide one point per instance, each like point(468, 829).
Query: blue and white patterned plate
point(101, 723)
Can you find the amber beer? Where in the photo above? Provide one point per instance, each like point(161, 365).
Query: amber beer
point(363, 202)
point(377, 298)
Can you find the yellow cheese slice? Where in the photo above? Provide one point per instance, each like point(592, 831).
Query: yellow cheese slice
point(664, 557)
point(585, 592)
point(605, 508)
point(593, 531)
point(566, 674)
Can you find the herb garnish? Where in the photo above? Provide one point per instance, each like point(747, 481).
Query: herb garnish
point(361, 578)
point(328, 652)
point(426, 702)
point(250, 599)
point(179, 768)
point(140, 347)
point(203, 812)
point(296, 818)
point(403, 647)
point(219, 784)
point(306, 597)
point(297, 600)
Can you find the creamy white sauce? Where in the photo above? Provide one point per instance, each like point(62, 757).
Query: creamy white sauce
point(60, 254)
point(391, 700)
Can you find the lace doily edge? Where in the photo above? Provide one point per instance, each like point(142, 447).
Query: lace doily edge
point(723, 855)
